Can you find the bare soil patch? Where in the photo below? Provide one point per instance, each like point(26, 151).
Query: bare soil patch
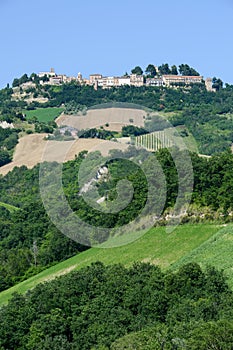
point(115, 117)
point(31, 150)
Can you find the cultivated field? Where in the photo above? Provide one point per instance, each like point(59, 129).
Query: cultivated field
point(44, 114)
point(31, 149)
point(165, 139)
point(115, 117)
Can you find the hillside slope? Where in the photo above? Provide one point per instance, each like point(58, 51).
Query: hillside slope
point(216, 251)
point(115, 118)
point(157, 247)
point(31, 149)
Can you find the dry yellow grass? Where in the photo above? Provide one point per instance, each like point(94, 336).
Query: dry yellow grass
point(33, 149)
point(115, 117)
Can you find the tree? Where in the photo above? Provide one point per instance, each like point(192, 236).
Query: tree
point(156, 337)
point(34, 77)
point(151, 71)
point(11, 141)
point(185, 69)
point(45, 78)
point(4, 158)
point(174, 70)
point(130, 130)
point(137, 70)
point(164, 69)
point(15, 82)
point(217, 84)
point(24, 79)
point(211, 335)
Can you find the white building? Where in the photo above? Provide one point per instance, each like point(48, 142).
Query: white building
point(121, 81)
point(181, 79)
point(105, 82)
point(56, 80)
point(136, 80)
point(49, 74)
point(154, 82)
point(80, 78)
point(94, 77)
point(108, 82)
point(209, 85)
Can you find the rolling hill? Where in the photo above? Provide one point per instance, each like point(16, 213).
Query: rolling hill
point(156, 247)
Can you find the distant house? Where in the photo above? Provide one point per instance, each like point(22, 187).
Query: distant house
point(80, 78)
point(154, 82)
point(98, 80)
point(209, 85)
point(121, 81)
point(108, 82)
point(94, 78)
point(136, 80)
point(56, 80)
point(49, 74)
point(66, 79)
point(181, 79)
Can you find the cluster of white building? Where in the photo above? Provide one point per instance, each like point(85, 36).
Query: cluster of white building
point(98, 80)
point(57, 79)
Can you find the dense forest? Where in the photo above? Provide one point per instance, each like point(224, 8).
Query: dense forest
point(30, 242)
point(118, 308)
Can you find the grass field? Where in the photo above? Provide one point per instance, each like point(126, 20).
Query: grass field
point(217, 251)
point(11, 208)
point(189, 140)
point(156, 247)
point(44, 114)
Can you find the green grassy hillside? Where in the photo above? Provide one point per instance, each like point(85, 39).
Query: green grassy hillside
point(43, 114)
point(216, 251)
point(156, 246)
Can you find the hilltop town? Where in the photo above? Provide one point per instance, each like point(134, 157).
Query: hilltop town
point(154, 76)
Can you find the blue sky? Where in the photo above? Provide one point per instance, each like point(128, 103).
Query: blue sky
point(111, 37)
